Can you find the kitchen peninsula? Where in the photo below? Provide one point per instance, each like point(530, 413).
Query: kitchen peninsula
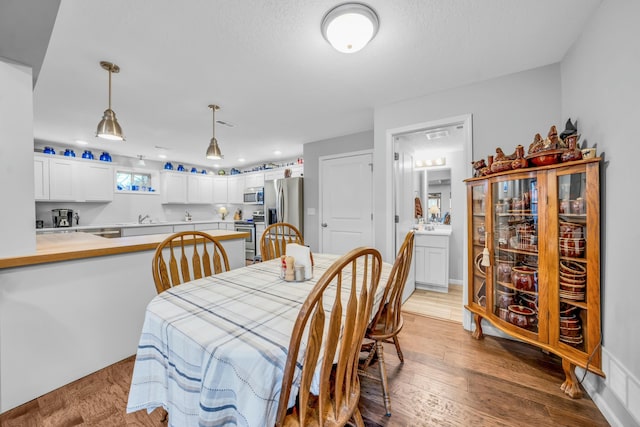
point(77, 305)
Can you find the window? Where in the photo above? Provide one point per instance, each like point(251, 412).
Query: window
point(134, 181)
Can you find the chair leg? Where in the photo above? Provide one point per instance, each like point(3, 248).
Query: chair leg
point(383, 378)
point(357, 418)
point(397, 343)
point(370, 348)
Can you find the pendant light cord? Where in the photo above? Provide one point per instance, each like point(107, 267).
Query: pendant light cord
point(110, 68)
point(213, 122)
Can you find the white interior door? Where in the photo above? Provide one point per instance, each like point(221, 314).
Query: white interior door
point(404, 206)
point(346, 203)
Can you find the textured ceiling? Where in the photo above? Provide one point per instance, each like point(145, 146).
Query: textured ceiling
point(266, 64)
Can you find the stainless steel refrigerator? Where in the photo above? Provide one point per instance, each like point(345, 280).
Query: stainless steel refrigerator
point(283, 200)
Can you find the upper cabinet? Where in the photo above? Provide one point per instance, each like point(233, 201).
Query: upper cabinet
point(220, 193)
point(199, 189)
point(254, 179)
point(173, 187)
point(540, 281)
point(235, 188)
point(59, 178)
point(186, 188)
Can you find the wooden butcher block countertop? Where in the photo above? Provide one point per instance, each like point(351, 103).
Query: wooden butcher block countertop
point(77, 245)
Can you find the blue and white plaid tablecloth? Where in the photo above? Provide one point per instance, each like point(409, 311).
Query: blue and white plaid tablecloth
point(212, 351)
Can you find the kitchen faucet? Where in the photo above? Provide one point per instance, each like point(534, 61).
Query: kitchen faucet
point(142, 218)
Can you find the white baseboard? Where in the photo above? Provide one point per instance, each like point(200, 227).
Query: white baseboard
point(618, 395)
point(455, 282)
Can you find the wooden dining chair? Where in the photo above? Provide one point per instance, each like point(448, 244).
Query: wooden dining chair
point(388, 322)
point(206, 254)
point(273, 241)
point(333, 335)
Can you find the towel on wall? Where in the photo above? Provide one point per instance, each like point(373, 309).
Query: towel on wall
point(418, 213)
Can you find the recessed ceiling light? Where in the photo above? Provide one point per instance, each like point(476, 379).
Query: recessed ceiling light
point(81, 142)
point(277, 152)
point(162, 156)
point(241, 159)
point(216, 165)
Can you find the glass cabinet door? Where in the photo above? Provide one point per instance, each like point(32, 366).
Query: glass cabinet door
point(572, 268)
point(479, 235)
point(515, 243)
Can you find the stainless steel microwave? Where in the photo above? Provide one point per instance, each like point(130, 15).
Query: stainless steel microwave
point(254, 196)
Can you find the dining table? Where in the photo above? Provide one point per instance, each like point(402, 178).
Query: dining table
point(213, 350)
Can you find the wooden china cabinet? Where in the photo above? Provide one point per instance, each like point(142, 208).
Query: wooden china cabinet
point(541, 227)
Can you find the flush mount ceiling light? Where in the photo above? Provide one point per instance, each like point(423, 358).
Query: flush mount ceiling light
point(213, 152)
point(108, 128)
point(350, 26)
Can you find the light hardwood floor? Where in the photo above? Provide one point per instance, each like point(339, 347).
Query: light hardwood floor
point(448, 379)
point(447, 306)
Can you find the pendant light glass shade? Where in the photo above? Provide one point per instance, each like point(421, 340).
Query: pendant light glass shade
point(109, 128)
point(350, 26)
point(213, 151)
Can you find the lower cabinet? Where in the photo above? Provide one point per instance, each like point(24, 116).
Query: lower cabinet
point(145, 230)
point(432, 262)
point(259, 231)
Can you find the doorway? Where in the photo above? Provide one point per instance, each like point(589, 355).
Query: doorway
point(433, 160)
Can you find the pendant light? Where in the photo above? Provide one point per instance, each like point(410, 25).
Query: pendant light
point(140, 161)
point(350, 26)
point(108, 128)
point(213, 152)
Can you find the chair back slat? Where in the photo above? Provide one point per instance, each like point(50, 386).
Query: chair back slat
point(206, 262)
point(316, 329)
point(195, 260)
point(173, 267)
point(332, 348)
point(274, 240)
point(184, 263)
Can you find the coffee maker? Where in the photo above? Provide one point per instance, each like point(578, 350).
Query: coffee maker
point(62, 217)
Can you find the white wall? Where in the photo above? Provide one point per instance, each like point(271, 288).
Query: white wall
point(312, 153)
point(16, 160)
point(600, 88)
point(507, 111)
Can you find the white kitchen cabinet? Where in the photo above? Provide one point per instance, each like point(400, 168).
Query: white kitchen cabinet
point(199, 189)
point(432, 261)
point(177, 228)
point(274, 174)
point(204, 226)
point(296, 170)
point(174, 187)
point(96, 181)
point(260, 227)
point(254, 179)
point(184, 187)
point(220, 193)
point(235, 188)
point(63, 180)
point(145, 230)
point(41, 177)
point(66, 179)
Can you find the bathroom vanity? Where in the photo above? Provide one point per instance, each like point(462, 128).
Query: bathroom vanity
point(432, 258)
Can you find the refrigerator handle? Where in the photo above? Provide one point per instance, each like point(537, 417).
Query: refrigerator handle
point(280, 202)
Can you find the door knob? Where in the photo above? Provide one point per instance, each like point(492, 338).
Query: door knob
point(324, 224)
